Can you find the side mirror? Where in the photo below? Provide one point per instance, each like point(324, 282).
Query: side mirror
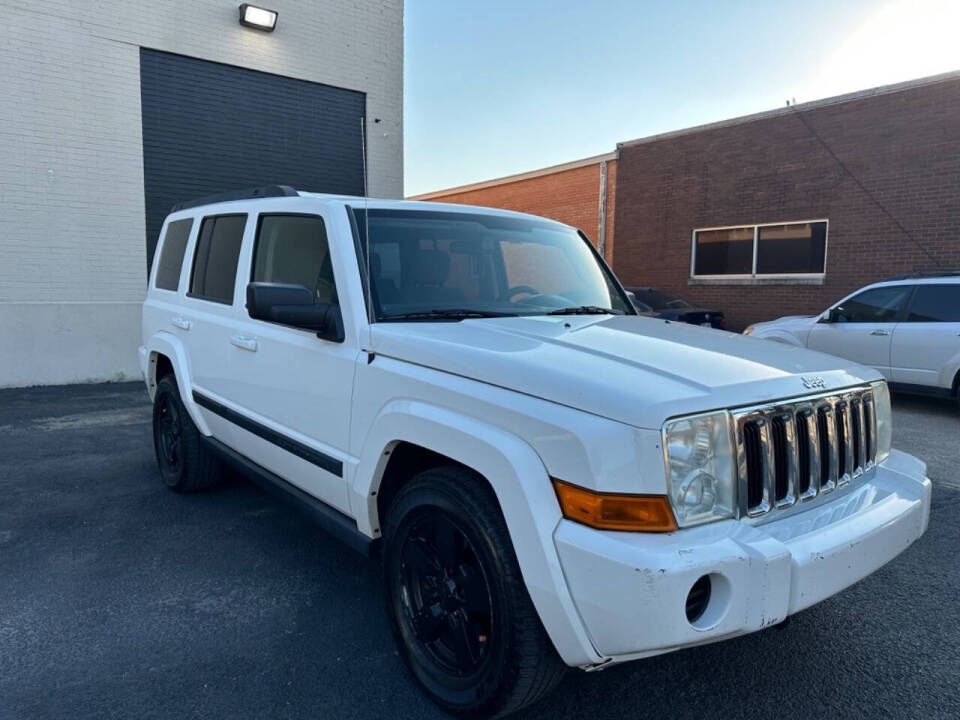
point(632, 296)
point(293, 305)
point(833, 315)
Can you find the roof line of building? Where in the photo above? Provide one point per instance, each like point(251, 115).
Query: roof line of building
point(572, 165)
point(810, 105)
point(742, 119)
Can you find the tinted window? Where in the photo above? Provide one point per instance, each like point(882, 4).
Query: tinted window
point(293, 249)
point(215, 260)
point(935, 303)
point(794, 249)
point(785, 249)
point(877, 305)
point(171, 256)
point(724, 252)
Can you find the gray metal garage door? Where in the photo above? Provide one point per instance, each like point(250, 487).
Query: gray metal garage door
point(209, 128)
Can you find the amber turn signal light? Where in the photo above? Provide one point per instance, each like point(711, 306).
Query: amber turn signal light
point(604, 511)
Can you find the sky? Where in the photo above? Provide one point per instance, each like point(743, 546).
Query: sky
point(496, 87)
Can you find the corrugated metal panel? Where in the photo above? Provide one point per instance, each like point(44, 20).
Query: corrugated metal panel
point(210, 128)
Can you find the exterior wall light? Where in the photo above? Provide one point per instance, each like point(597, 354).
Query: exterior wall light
point(258, 17)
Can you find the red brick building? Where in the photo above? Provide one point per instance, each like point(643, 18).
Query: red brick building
point(811, 201)
point(576, 193)
point(778, 213)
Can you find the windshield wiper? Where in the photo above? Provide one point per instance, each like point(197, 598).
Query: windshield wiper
point(446, 314)
point(585, 310)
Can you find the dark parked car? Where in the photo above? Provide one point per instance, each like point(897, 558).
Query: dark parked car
point(666, 305)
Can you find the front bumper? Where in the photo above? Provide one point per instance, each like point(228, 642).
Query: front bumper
point(631, 588)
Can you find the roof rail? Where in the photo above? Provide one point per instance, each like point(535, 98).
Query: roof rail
point(266, 191)
point(927, 273)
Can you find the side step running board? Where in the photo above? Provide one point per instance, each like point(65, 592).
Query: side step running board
point(333, 521)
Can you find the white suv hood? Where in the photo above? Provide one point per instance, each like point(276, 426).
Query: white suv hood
point(631, 369)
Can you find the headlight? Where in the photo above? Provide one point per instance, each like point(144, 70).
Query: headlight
point(881, 407)
point(700, 475)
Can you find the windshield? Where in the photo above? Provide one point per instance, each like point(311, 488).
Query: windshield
point(661, 300)
point(451, 265)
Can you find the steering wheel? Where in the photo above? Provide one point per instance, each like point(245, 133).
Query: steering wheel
point(517, 289)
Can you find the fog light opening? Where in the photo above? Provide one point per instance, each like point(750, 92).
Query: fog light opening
point(698, 598)
point(709, 601)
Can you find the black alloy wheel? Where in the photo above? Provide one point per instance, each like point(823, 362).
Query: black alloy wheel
point(186, 464)
point(458, 607)
point(445, 594)
point(168, 435)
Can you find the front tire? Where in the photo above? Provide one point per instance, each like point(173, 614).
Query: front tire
point(186, 464)
point(458, 607)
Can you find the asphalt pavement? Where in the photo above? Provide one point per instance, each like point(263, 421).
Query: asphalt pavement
point(119, 599)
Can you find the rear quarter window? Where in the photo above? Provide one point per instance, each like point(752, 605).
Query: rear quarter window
point(171, 254)
point(214, 273)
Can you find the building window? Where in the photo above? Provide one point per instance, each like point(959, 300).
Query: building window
point(772, 250)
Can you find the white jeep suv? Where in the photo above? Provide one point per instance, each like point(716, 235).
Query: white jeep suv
point(907, 328)
point(548, 478)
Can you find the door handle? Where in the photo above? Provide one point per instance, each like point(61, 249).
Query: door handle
point(244, 343)
point(880, 332)
point(180, 322)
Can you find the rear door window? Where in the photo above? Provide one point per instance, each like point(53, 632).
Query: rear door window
point(935, 303)
point(215, 259)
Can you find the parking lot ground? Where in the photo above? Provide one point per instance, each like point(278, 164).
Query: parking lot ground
point(121, 599)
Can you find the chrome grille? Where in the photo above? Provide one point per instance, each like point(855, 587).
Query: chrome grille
point(793, 452)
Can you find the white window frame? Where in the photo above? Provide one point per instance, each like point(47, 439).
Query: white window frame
point(756, 237)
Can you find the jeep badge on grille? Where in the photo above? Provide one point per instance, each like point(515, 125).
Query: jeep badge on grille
point(813, 381)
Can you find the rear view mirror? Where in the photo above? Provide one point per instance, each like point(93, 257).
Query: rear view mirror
point(294, 305)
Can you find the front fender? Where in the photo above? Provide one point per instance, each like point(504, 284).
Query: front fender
point(164, 343)
point(523, 489)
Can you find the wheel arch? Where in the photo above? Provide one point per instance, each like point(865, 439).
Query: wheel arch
point(948, 377)
point(410, 436)
point(406, 460)
point(165, 353)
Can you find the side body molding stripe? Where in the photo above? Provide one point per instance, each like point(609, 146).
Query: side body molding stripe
point(321, 460)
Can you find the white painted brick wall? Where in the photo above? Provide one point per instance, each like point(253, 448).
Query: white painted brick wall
point(71, 164)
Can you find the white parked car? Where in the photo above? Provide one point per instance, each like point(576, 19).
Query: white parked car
point(549, 479)
point(907, 328)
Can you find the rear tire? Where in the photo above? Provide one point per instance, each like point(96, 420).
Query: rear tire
point(186, 464)
point(460, 612)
